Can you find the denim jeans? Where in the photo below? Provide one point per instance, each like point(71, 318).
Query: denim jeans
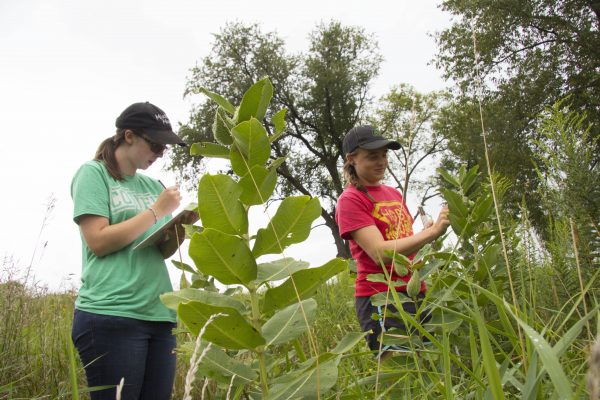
point(114, 347)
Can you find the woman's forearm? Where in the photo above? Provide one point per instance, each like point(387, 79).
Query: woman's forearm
point(373, 243)
point(104, 239)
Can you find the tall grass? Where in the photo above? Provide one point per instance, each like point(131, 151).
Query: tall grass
point(472, 361)
point(34, 338)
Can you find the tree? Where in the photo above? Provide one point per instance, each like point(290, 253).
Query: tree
point(324, 90)
point(240, 56)
point(530, 54)
point(571, 185)
point(410, 118)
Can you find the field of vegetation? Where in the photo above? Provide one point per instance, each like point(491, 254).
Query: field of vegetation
point(513, 288)
point(514, 313)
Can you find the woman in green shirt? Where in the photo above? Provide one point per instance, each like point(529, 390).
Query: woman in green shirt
point(120, 327)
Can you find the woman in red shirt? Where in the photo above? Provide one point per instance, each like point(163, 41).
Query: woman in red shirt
point(374, 218)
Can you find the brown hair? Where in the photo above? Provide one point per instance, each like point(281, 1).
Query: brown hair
point(106, 154)
point(351, 176)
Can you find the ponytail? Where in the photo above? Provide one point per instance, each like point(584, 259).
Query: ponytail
point(106, 154)
point(351, 177)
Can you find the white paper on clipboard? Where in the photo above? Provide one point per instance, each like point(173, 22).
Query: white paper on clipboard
point(191, 208)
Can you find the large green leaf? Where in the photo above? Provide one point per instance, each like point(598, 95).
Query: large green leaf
point(291, 224)
point(256, 101)
point(208, 149)
point(468, 179)
point(219, 206)
point(301, 285)
point(290, 322)
point(483, 208)
point(443, 322)
point(250, 147)
point(258, 185)
point(183, 266)
point(217, 365)
point(458, 210)
point(221, 128)
point(278, 121)
point(487, 262)
point(350, 340)
point(173, 299)
point(231, 331)
point(456, 203)
point(448, 178)
point(279, 269)
point(220, 100)
point(277, 162)
point(226, 257)
point(306, 385)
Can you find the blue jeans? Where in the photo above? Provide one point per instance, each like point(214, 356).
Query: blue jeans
point(114, 347)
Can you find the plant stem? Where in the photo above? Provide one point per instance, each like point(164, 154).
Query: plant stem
point(576, 251)
point(299, 350)
point(261, 355)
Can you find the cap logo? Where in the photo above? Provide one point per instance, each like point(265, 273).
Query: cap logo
point(162, 118)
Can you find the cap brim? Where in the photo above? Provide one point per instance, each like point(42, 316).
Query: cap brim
point(380, 143)
point(164, 137)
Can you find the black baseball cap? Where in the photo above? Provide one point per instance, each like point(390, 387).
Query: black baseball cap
point(365, 137)
point(151, 120)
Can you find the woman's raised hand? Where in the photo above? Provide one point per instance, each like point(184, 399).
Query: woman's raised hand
point(167, 201)
point(443, 222)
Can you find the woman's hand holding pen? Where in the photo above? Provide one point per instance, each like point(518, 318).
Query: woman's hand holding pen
point(167, 201)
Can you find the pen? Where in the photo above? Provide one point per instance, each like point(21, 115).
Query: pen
point(162, 184)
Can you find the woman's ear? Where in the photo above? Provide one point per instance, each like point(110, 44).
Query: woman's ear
point(128, 136)
point(351, 159)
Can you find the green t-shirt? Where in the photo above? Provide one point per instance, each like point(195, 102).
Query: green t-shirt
point(128, 282)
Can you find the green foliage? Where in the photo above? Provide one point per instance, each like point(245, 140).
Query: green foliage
point(482, 344)
point(530, 55)
point(289, 323)
point(323, 92)
point(455, 368)
point(570, 177)
point(538, 50)
point(300, 285)
point(291, 224)
point(221, 207)
point(35, 341)
point(264, 318)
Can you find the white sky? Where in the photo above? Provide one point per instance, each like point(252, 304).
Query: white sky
point(68, 68)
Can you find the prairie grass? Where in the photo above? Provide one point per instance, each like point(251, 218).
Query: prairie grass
point(34, 338)
point(36, 332)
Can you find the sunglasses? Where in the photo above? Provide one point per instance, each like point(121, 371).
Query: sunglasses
point(156, 148)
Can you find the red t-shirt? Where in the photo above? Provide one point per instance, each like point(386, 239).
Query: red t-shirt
point(389, 214)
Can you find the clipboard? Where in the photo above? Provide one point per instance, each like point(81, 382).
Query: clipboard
point(190, 209)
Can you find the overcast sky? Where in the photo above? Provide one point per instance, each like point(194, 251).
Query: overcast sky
point(68, 68)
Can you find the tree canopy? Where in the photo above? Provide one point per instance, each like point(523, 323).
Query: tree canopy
point(325, 91)
point(411, 118)
point(530, 54)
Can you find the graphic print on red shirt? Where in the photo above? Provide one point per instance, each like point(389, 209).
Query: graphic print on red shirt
point(389, 214)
